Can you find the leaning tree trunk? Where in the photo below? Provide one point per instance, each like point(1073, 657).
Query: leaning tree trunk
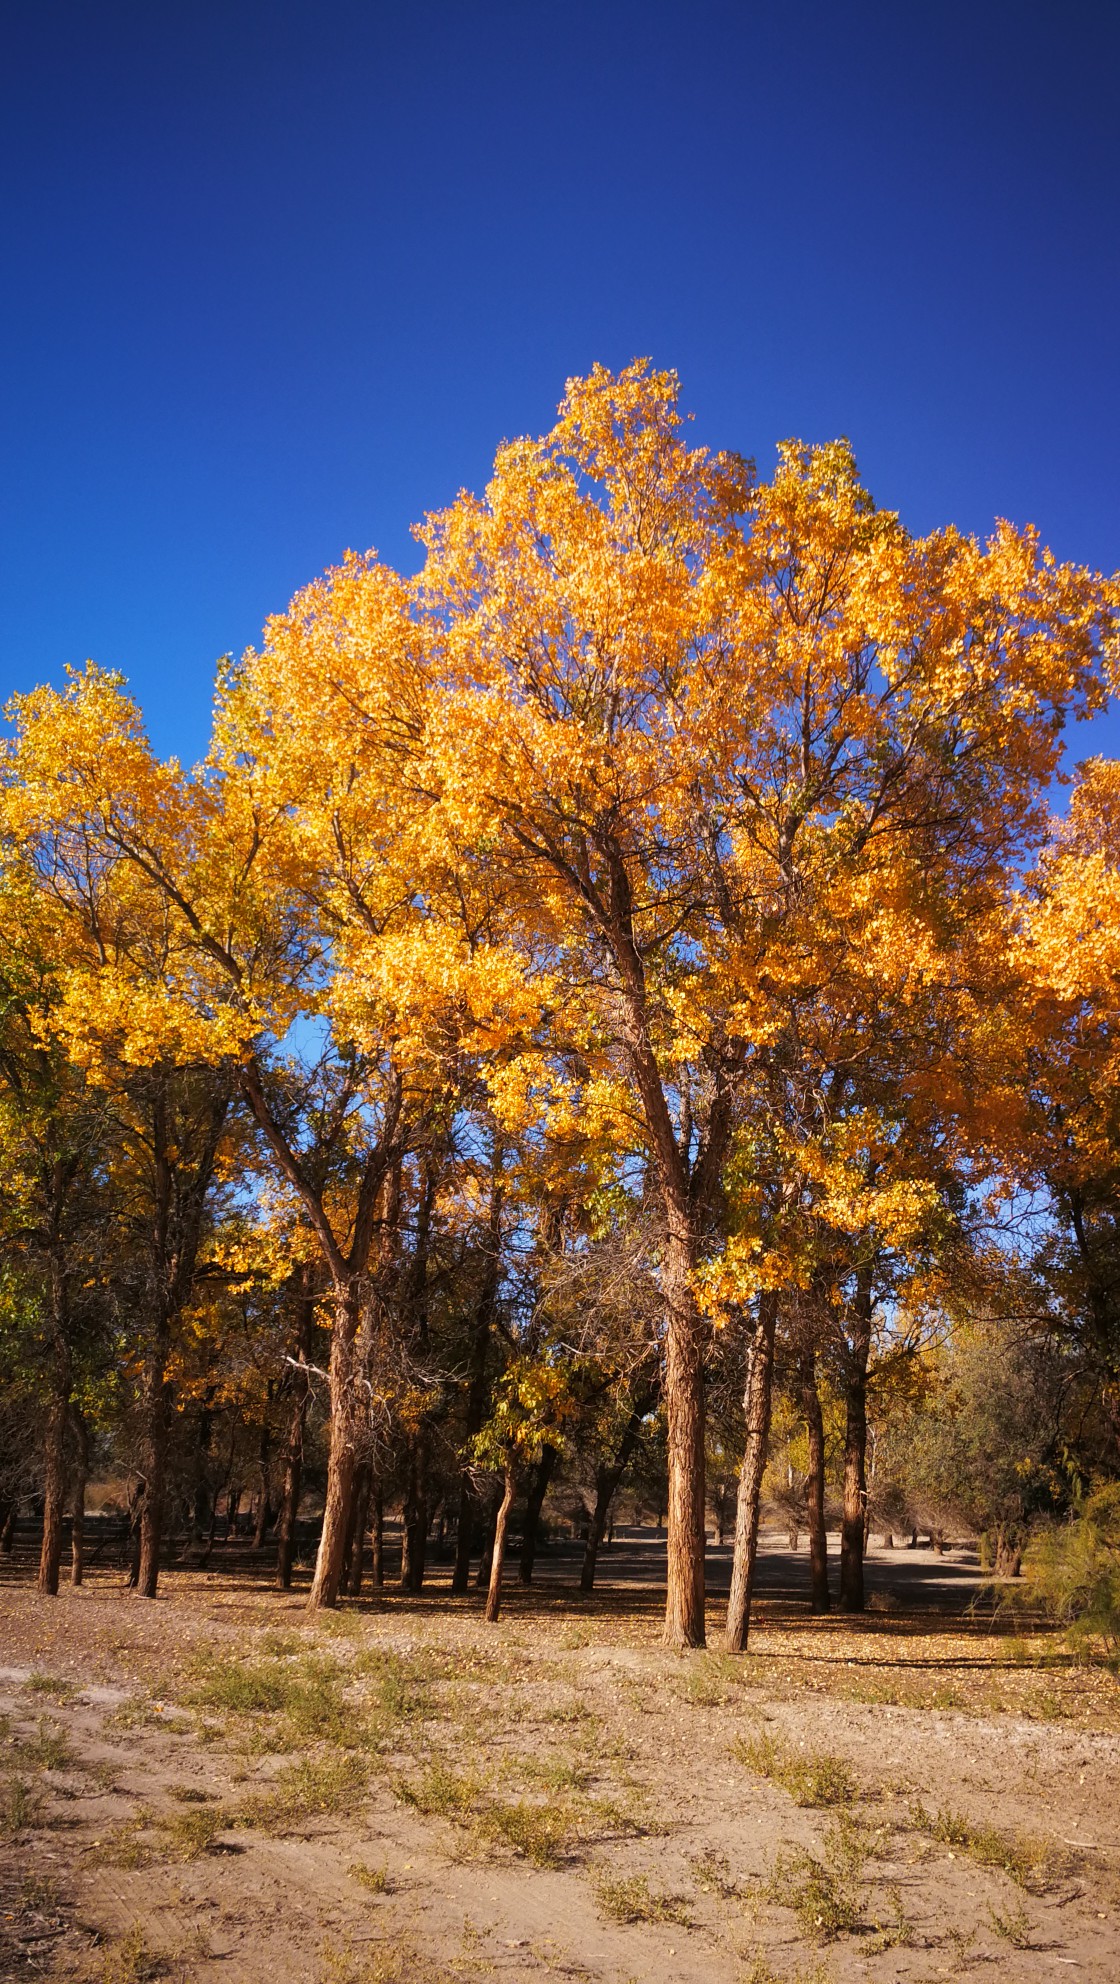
point(756, 1412)
point(853, 1533)
point(819, 1598)
point(501, 1527)
point(78, 1495)
point(542, 1475)
point(684, 1412)
point(344, 1432)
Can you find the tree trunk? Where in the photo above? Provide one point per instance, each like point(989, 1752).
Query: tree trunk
point(542, 1475)
point(293, 1455)
point(819, 1598)
point(607, 1477)
point(414, 1514)
point(377, 1568)
point(362, 1487)
point(756, 1412)
point(8, 1533)
point(264, 1505)
point(684, 1403)
point(157, 1412)
point(855, 1449)
point(489, 1528)
point(476, 1375)
point(494, 1594)
point(78, 1496)
point(58, 1413)
point(344, 1431)
point(54, 1490)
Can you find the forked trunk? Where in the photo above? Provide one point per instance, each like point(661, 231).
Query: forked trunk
point(542, 1475)
point(344, 1433)
point(684, 1403)
point(819, 1597)
point(501, 1527)
point(756, 1413)
point(78, 1496)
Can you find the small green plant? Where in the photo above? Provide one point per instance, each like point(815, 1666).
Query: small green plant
point(712, 1873)
point(1014, 1927)
point(50, 1684)
point(388, 1963)
point(629, 1898)
point(539, 1832)
point(1027, 1861)
point(131, 1961)
point(48, 1748)
point(375, 1880)
point(19, 1808)
point(824, 1892)
point(439, 1793)
point(193, 1832)
point(123, 1846)
point(812, 1779)
point(312, 1788)
point(40, 1893)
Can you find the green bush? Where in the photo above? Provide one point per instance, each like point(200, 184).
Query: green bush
point(1074, 1573)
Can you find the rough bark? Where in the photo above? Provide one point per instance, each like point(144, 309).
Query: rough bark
point(343, 1447)
point(684, 1403)
point(501, 1527)
point(534, 1503)
point(853, 1532)
point(756, 1413)
point(819, 1597)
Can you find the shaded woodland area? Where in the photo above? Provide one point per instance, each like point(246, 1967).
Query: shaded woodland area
point(613, 1028)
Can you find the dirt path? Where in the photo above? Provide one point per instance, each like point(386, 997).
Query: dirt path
point(214, 1787)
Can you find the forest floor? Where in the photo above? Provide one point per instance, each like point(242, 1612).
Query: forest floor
point(216, 1786)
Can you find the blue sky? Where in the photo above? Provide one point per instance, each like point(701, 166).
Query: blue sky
point(280, 276)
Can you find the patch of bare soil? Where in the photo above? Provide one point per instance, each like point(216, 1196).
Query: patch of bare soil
point(217, 1787)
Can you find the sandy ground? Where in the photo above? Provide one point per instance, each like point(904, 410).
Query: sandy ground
point(215, 1786)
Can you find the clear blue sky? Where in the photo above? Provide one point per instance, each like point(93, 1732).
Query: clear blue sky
point(279, 275)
